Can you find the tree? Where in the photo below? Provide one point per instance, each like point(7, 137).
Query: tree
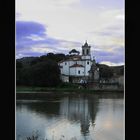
point(55, 57)
point(105, 72)
point(19, 67)
point(40, 71)
point(45, 73)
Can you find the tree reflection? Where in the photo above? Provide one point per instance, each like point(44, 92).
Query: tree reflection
point(70, 113)
point(80, 109)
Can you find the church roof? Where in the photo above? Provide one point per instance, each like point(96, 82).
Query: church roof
point(86, 45)
point(76, 65)
point(76, 57)
point(72, 58)
point(74, 51)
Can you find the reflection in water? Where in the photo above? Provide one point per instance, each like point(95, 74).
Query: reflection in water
point(81, 110)
point(83, 117)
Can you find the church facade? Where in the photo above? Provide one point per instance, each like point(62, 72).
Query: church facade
point(79, 67)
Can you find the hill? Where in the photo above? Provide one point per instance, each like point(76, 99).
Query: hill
point(44, 71)
point(26, 61)
point(110, 71)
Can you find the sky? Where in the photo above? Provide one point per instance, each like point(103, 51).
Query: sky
point(58, 26)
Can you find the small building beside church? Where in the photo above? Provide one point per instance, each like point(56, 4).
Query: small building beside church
point(79, 67)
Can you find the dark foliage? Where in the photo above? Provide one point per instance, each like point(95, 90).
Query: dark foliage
point(54, 57)
point(45, 74)
point(39, 71)
point(19, 67)
point(44, 70)
point(105, 71)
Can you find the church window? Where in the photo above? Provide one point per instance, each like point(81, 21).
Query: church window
point(88, 62)
point(65, 63)
point(78, 71)
point(87, 52)
point(83, 52)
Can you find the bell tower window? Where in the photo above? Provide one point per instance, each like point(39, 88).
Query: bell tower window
point(83, 52)
point(87, 51)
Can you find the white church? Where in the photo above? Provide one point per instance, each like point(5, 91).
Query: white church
point(79, 67)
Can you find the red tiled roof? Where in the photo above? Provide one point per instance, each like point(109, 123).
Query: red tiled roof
point(76, 56)
point(71, 59)
point(76, 65)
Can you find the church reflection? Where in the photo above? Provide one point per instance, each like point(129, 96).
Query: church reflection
point(81, 109)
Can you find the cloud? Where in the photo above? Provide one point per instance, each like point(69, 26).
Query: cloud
point(32, 39)
point(72, 23)
point(111, 63)
point(28, 28)
point(28, 34)
point(104, 3)
point(115, 56)
point(61, 25)
point(36, 42)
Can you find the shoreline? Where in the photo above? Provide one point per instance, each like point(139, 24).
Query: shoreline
point(57, 93)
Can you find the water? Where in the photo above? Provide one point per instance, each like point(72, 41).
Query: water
point(80, 117)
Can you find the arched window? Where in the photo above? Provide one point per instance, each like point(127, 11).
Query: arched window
point(87, 51)
point(83, 52)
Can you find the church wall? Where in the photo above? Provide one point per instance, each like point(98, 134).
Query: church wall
point(72, 71)
point(65, 69)
point(71, 63)
point(87, 67)
point(79, 62)
point(86, 57)
point(75, 71)
point(81, 70)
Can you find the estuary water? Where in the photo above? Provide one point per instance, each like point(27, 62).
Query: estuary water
point(79, 117)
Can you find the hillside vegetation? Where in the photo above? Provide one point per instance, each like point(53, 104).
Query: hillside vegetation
point(44, 70)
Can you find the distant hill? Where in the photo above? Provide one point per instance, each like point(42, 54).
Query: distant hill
point(116, 70)
point(26, 61)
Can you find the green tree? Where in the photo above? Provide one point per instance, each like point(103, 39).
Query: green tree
point(41, 71)
point(105, 72)
point(45, 73)
point(19, 67)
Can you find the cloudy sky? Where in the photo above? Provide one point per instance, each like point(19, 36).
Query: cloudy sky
point(57, 26)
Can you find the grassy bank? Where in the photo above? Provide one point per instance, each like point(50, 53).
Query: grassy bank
point(24, 92)
point(25, 89)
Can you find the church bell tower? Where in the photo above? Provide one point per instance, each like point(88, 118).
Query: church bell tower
point(86, 54)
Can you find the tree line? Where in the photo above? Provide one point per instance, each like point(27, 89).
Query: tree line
point(39, 71)
point(44, 70)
